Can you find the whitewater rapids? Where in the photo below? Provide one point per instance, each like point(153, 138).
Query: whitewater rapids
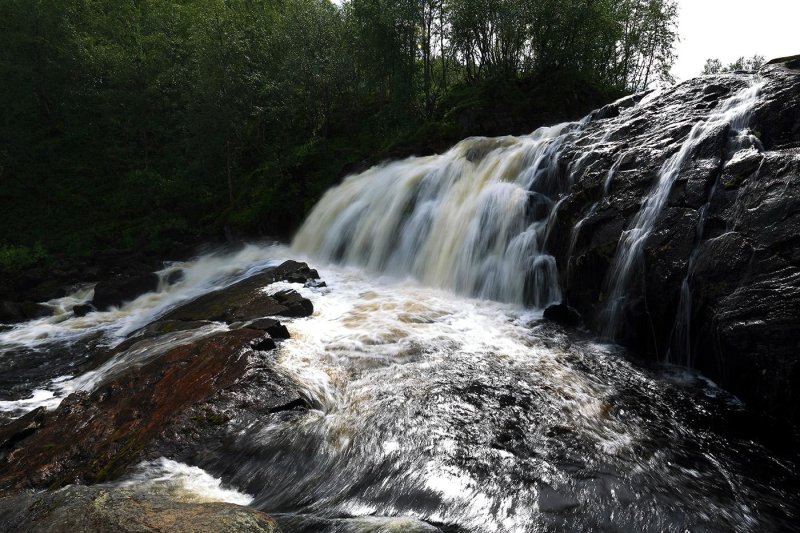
point(433, 409)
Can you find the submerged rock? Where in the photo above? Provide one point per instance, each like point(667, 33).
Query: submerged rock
point(82, 309)
point(104, 509)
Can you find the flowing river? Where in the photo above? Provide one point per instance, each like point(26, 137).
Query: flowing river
point(439, 397)
point(434, 409)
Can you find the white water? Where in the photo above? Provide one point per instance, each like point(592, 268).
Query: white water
point(733, 112)
point(472, 220)
point(183, 482)
point(108, 328)
point(432, 406)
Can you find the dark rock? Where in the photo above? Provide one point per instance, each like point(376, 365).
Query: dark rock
point(19, 429)
point(264, 344)
point(116, 291)
point(296, 305)
point(245, 300)
point(203, 434)
point(174, 277)
point(730, 230)
point(11, 312)
point(755, 325)
point(293, 272)
point(538, 206)
point(93, 437)
point(82, 309)
point(275, 329)
point(563, 314)
point(125, 509)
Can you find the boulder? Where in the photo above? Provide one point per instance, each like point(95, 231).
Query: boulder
point(125, 509)
point(563, 314)
point(12, 312)
point(94, 436)
point(275, 329)
point(246, 300)
point(118, 290)
point(82, 309)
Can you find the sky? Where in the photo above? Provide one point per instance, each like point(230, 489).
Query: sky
point(728, 29)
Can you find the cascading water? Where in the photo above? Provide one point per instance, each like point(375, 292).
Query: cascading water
point(428, 408)
point(472, 220)
point(733, 112)
point(576, 231)
point(744, 144)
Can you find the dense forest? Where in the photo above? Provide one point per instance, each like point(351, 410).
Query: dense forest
point(139, 123)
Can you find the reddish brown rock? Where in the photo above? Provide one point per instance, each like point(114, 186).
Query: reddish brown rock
point(94, 436)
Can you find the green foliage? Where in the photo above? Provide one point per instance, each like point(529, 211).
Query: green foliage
point(16, 258)
point(138, 123)
point(715, 66)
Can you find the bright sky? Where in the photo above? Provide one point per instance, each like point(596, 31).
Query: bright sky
point(728, 29)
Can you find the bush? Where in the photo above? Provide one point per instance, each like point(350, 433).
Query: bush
point(17, 258)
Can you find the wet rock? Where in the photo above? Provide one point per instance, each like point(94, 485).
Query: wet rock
point(246, 300)
point(12, 312)
point(208, 434)
point(563, 314)
point(730, 230)
point(275, 329)
point(82, 309)
point(162, 327)
point(116, 291)
point(125, 509)
point(174, 277)
point(755, 325)
point(293, 272)
point(777, 124)
point(264, 344)
point(94, 436)
point(19, 429)
point(296, 305)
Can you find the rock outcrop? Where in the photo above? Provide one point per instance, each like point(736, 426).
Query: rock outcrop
point(106, 509)
point(95, 436)
point(170, 389)
point(718, 286)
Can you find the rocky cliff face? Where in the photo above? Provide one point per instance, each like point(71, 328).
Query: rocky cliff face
point(717, 285)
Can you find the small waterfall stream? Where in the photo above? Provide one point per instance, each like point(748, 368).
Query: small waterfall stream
point(733, 112)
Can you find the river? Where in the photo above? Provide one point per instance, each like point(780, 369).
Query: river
point(464, 413)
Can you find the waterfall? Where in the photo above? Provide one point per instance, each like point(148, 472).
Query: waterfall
point(680, 345)
point(733, 112)
point(576, 230)
point(472, 220)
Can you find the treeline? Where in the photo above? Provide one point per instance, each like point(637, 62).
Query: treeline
point(751, 64)
point(132, 123)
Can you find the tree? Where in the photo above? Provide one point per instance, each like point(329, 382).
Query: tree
point(750, 64)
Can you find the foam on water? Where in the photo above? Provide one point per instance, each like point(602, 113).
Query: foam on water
point(187, 483)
